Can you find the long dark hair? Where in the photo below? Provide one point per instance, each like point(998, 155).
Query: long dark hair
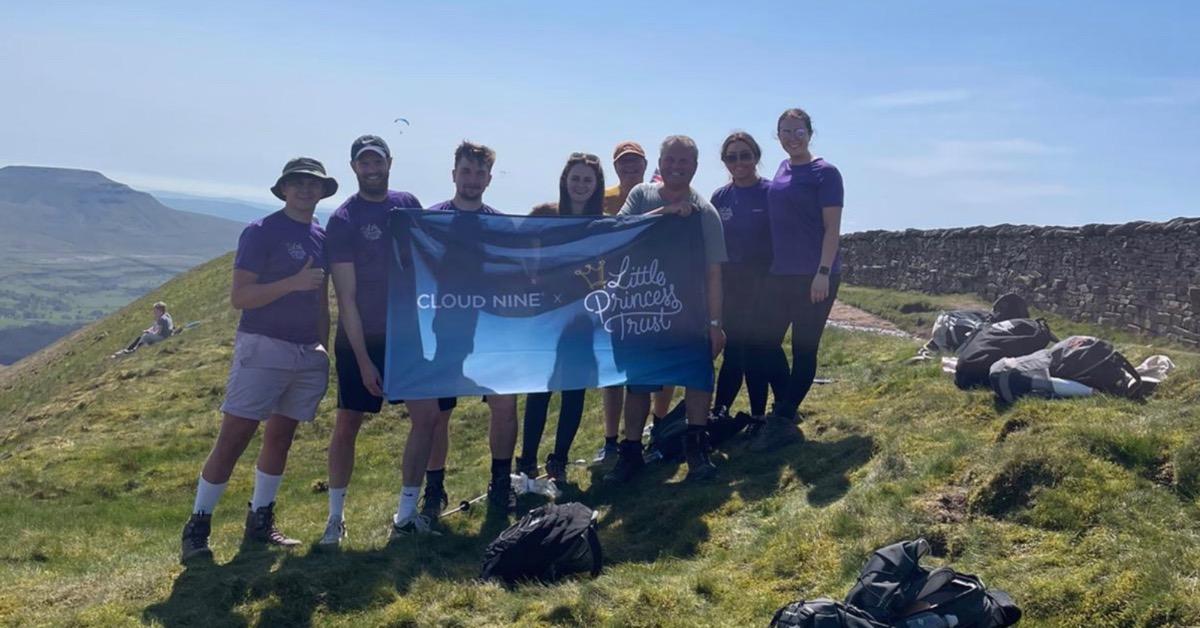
point(595, 203)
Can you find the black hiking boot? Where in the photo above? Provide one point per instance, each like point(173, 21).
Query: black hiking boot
point(434, 501)
point(695, 449)
point(500, 494)
point(556, 468)
point(195, 537)
point(629, 463)
point(776, 432)
point(528, 466)
point(260, 528)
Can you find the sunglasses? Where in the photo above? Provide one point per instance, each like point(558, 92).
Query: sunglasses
point(732, 158)
point(584, 157)
point(796, 133)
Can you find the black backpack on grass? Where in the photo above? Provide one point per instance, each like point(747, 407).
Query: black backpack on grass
point(550, 541)
point(952, 328)
point(822, 613)
point(895, 590)
point(1008, 307)
point(1096, 363)
point(667, 436)
point(1005, 339)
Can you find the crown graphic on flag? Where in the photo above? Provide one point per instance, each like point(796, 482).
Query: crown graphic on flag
point(593, 275)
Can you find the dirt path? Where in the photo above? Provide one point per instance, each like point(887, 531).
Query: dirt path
point(851, 318)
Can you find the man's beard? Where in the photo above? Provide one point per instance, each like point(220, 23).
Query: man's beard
point(373, 187)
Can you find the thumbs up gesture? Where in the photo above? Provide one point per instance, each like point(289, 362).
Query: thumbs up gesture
point(308, 278)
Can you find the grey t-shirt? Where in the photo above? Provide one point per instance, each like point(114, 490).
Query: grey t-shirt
point(165, 325)
point(646, 197)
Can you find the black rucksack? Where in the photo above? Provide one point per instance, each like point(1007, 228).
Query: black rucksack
point(894, 589)
point(890, 580)
point(1008, 307)
point(722, 427)
point(822, 613)
point(952, 328)
point(1096, 363)
point(667, 436)
point(548, 542)
point(1005, 339)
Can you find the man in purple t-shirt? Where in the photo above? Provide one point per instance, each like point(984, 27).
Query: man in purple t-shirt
point(472, 173)
point(359, 249)
point(280, 366)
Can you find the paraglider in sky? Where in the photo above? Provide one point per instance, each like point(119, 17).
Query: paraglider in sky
point(404, 120)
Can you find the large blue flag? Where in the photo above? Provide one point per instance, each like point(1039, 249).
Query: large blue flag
point(483, 303)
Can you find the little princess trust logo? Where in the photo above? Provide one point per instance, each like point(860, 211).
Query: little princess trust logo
point(633, 301)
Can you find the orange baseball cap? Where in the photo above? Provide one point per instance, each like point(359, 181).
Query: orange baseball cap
point(627, 147)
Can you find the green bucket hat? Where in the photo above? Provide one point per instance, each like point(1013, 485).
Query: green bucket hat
point(306, 166)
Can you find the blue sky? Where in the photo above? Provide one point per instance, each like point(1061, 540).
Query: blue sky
point(937, 113)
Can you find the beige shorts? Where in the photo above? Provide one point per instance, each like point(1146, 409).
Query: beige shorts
point(272, 376)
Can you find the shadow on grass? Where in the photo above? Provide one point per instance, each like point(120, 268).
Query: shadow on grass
point(657, 516)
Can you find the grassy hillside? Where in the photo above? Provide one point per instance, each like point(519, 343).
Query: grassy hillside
point(1085, 510)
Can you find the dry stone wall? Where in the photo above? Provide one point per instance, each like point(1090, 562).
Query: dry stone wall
point(1142, 276)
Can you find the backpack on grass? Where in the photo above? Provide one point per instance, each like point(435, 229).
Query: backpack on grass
point(667, 436)
point(1096, 363)
point(549, 542)
point(1005, 339)
point(822, 613)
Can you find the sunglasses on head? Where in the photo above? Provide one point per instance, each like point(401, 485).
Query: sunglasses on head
point(731, 158)
point(585, 157)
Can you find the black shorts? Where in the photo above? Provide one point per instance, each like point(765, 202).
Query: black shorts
point(352, 393)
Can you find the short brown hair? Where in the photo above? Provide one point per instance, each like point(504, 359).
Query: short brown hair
point(796, 112)
point(544, 209)
point(477, 153)
point(160, 305)
point(686, 141)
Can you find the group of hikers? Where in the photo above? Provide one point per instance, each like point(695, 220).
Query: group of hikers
point(771, 253)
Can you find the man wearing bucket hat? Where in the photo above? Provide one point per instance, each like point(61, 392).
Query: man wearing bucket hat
point(280, 366)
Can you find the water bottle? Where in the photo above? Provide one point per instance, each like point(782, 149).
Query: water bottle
point(538, 486)
point(930, 620)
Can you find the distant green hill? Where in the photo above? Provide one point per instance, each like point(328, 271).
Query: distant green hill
point(75, 245)
point(1085, 510)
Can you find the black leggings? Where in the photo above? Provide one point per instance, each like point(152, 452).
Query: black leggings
point(792, 307)
point(569, 415)
point(743, 317)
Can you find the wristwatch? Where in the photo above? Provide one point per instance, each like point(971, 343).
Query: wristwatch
point(824, 270)
point(714, 322)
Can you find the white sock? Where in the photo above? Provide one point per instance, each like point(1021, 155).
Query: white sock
point(207, 496)
point(265, 488)
point(337, 503)
point(408, 502)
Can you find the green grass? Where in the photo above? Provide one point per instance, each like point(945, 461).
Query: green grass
point(1084, 510)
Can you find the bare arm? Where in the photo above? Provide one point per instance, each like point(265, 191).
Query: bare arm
point(345, 287)
point(715, 303)
point(832, 217)
point(247, 293)
point(323, 314)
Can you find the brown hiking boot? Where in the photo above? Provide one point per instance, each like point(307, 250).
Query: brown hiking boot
point(776, 431)
point(695, 449)
point(195, 537)
point(260, 528)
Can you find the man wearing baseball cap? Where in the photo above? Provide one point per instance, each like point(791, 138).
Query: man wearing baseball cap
point(629, 161)
point(358, 247)
point(280, 366)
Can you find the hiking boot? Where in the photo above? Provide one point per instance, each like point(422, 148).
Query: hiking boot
point(695, 448)
point(776, 431)
point(528, 466)
point(416, 525)
point(335, 533)
point(195, 537)
point(260, 528)
point(434, 501)
point(556, 468)
point(629, 462)
point(607, 453)
point(500, 494)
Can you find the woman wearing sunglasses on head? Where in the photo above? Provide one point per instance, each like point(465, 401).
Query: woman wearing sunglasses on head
point(580, 193)
point(804, 203)
point(742, 204)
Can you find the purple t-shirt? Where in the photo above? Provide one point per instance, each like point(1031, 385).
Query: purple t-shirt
point(795, 199)
point(358, 234)
point(275, 247)
point(747, 225)
point(448, 206)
